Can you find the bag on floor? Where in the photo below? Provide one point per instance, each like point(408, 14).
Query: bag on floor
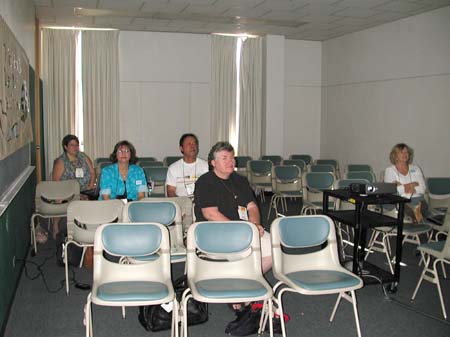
point(247, 323)
point(73, 250)
point(156, 318)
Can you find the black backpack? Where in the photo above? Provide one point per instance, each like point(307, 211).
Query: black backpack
point(156, 318)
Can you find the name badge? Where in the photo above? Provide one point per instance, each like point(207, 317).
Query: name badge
point(243, 213)
point(138, 182)
point(79, 172)
point(190, 189)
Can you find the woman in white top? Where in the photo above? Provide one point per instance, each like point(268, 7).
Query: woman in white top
point(409, 178)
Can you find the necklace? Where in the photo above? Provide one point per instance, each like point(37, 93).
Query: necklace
point(228, 189)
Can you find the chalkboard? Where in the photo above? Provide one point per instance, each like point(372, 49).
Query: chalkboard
point(12, 166)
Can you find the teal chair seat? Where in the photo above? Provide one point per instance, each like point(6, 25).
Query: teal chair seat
point(230, 288)
point(319, 280)
point(437, 246)
point(132, 291)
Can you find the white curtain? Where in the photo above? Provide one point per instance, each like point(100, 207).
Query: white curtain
point(100, 77)
point(58, 76)
point(223, 64)
point(250, 120)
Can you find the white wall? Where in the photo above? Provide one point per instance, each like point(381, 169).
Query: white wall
point(386, 85)
point(165, 90)
point(19, 16)
point(302, 101)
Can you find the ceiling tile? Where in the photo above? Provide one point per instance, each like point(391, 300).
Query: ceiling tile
point(400, 6)
point(131, 5)
point(356, 12)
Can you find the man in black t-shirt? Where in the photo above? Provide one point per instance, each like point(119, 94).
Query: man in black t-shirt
point(224, 195)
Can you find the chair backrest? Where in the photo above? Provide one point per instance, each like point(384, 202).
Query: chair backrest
point(259, 171)
point(157, 175)
point(147, 159)
point(298, 162)
point(316, 182)
point(365, 175)
point(438, 191)
point(131, 240)
point(102, 160)
point(169, 160)
point(83, 217)
point(234, 246)
point(305, 157)
point(146, 163)
point(359, 168)
point(185, 205)
point(286, 178)
point(100, 166)
point(241, 161)
point(275, 159)
point(322, 168)
point(167, 213)
point(241, 164)
point(332, 162)
point(311, 243)
point(53, 197)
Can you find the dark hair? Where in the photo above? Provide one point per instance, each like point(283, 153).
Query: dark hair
point(67, 139)
point(184, 136)
point(400, 147)
point(133, 158)
point(219, 146)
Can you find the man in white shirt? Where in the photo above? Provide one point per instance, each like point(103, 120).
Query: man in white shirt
point(183, 174)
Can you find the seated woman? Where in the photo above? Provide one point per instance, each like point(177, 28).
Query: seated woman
point(74, 165)
point(409, 178)
point(123, 179)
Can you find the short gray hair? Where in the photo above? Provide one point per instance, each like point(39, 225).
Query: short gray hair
point(219, 146)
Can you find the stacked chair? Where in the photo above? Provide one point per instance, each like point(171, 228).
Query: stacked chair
point(260, 176)
point(167, 213)
point(435, 253)
point(314, 183)
point(156, 175)
point(241, 164)
point(275, 159)
point(286, 183)
point(51, 201)
point(83, 218)
point(306, 261)
point(123, 285)
point(305, 157)
point(224, 266)
point(169, 160)
point(332, 162)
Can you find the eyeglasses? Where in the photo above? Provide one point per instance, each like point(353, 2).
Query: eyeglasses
point(123, 151)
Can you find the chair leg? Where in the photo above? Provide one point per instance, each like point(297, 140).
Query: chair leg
point(33, 233)
point(335, 307)
point(280, 309)
point(174, 331)
point(355, 310)
point(272, 205)
point(88, 316)
point(422, 276)
point(66, 266)
point(438, 285)
point(82, 257)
